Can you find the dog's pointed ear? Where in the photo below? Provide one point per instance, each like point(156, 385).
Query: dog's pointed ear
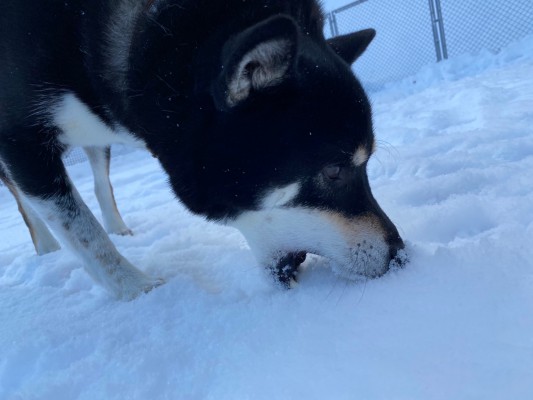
point(258, 58)
point(349, 47)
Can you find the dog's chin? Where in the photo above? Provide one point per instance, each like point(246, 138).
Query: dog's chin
point(361, 272)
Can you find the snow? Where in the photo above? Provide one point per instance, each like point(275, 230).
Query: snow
point(453, 170)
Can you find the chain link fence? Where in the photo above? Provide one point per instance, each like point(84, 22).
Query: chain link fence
point(414, 33)
point(473, 25)
point(74, 156)
point(403, 44)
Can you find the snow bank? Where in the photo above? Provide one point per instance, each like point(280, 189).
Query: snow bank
point(463, 66)
point(453, 170)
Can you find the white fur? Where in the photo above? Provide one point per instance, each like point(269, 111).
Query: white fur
point(103, 190)
point(361, 156)
point(273, 59)
point(80, 127)
point(356, 246)
point(280, 196)
point(43, 241)
point(83, 234)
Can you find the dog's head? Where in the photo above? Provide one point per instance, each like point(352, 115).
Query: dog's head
point(284, 153)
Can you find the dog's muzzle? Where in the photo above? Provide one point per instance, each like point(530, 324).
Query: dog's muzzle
point(359, 248)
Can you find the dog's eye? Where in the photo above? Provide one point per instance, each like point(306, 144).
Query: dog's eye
point(332, 172)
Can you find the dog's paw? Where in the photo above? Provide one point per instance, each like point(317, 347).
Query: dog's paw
point(121, 231)
point(114, 225)
point(125, 232)
point(135, 287)
point(154, 283)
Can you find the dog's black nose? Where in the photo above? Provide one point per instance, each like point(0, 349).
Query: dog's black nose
point(396, 244)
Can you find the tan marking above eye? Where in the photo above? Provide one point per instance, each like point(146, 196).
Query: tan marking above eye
point(361, 156)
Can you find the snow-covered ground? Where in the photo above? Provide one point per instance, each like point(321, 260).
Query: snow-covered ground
point(454, 171)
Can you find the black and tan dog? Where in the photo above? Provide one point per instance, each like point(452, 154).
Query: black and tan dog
point(258, 121)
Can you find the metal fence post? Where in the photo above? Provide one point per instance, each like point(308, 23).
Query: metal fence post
point(330, 23)
point(334, 25)
point(441, 30)
point(437, 24)
point(435, 30)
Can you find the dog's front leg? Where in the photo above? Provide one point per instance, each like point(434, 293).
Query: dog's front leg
point(74, 224)
point(41, 175)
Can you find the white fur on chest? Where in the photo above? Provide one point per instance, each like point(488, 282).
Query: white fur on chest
point(81, 127)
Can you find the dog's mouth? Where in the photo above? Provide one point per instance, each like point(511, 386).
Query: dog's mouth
point(285, 271)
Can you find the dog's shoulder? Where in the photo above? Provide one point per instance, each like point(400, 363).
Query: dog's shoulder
point(44, 47)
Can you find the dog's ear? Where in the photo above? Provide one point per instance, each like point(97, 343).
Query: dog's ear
point(258, 58)
point(349, 47)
